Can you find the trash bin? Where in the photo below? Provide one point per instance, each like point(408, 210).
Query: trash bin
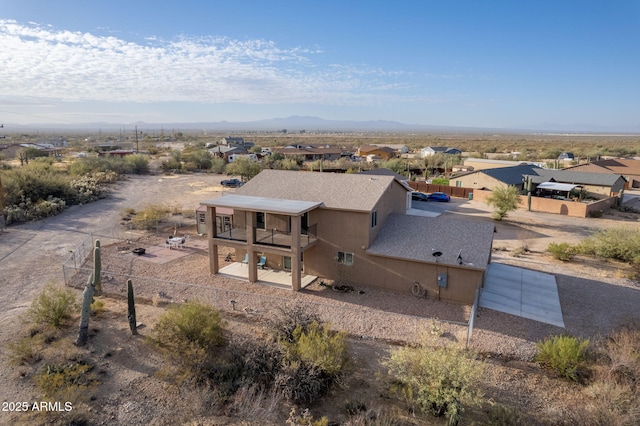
point(470, 196)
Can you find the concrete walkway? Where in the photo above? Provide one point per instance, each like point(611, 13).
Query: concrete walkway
point(522, 292)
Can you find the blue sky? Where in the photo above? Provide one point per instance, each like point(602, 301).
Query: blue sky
point(504, 64)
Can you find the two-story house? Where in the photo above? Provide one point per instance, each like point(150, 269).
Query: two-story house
point(351, 228)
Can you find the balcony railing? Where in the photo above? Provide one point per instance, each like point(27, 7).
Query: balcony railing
point(271, 237)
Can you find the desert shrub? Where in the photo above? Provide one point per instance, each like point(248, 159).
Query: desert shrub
point(436, 380)
point(64, 380)
point(217, 165)
point(501, 415)
point(199, 159)
point(172, 164)
point(615, 243)
point(253, 402)
point(289, 319)
point(320, 347)
point(87, 189)
point(561, 251)
point(253, 363)
point(53, 307)
point(301, 383)
point(150, 215)
point(312, 362)
point(190, 334)
point(565, 355)
point(305, 418)
point(136, 164)
point(26, 350)
point(622, 349)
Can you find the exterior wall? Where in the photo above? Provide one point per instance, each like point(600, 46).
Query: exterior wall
point(344, 231)
point(394, 200)
point(476, 180)
point(548, 205)
point(482, 165)
point(400, 275)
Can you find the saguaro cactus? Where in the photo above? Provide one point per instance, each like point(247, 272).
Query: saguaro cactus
point(97, 267)
point(87, 297)
point(131, 312)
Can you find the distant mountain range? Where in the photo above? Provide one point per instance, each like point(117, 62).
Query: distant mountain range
point(296, 124)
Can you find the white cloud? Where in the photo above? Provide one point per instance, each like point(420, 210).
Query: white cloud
point(40, 62)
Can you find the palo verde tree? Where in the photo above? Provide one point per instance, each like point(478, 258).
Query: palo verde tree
point(504, 200)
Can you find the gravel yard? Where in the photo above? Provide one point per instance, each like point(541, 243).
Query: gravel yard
point(596, 297)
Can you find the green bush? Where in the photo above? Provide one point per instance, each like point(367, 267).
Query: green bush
point(561, 251)
point(615, 243)
point(320, 347)
point(190, 334)
point(53, 307)
point(439, 380)
point(150, 215)
point(565, 355)
point(289, 319)
point(136, 164)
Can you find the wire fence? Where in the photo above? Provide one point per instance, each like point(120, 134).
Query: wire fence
point(365, 322)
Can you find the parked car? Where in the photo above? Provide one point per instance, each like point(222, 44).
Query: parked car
point(231, 183)
point(419, 196)
point(438, 196)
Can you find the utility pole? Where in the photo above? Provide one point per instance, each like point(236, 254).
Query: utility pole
point(2, 199)
point(137, 139)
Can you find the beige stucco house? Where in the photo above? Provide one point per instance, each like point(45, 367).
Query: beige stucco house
point(351, 228)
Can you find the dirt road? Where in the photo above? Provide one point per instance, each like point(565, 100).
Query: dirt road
point(31, 254)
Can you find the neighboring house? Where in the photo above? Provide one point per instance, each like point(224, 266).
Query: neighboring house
point(10, 151)
point(432, 150)
point(627, 167)
point(596, 184)
point(226, 151)
point(492, 178)
point(351, 228)
point(236, 141)
point(486, 163)
point(54, 141)
point(397, 148)
point(382, 153)
point(310, 152)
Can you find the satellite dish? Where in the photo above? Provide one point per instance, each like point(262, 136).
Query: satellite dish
point(436, 254)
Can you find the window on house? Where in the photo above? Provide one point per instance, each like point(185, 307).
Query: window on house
point(374, 219)
point(260, 220)
point(459, 183)
point(345, 258)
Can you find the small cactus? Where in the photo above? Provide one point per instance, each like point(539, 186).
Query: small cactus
point(131, 313)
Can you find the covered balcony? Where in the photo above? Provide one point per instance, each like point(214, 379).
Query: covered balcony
point(263, 225)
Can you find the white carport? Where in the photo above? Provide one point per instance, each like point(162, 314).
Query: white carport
point(556, 186)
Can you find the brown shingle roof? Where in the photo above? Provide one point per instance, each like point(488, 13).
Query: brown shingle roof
point(335, 190)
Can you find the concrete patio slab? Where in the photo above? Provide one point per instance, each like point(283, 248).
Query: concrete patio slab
point(272, 277)
point(522, 292)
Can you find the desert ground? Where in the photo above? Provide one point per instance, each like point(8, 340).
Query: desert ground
point(596, 297)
